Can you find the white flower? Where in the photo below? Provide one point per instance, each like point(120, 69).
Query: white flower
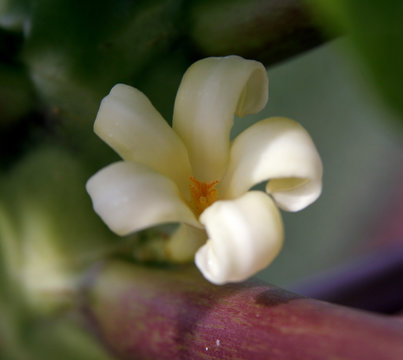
point(194, 175)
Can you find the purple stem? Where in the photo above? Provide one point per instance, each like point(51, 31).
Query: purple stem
point(146, 313)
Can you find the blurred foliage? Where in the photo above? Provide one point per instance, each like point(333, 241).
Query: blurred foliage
point(76, 51)
point(16, 95)
point(48, 236)
point(47, 214)
point(58, 58)
point(268, 31)
point(375, 29)
point(89, 49)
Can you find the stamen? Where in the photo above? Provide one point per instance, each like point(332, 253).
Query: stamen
point(202, 194)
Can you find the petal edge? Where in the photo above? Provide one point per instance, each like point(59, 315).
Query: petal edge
point(245, 235)
point(280, 151)
point(129, 123)
point(130, 197)
point(211, 92)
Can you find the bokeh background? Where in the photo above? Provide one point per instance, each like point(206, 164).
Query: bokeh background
point(335, 66)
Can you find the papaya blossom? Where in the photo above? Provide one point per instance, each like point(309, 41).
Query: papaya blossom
point(192, 174)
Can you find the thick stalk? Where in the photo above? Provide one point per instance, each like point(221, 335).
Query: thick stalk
point(144, 313)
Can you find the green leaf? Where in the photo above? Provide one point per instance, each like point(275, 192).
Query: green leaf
point(375, 29)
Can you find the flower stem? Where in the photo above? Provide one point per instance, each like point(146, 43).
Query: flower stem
point(146, 313)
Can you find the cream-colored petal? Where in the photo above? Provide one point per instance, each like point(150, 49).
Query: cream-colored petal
point(245, 235)
point(129, 123)
point(280, 150)
point(131, 197)
point(211, 92)
point(184, 242)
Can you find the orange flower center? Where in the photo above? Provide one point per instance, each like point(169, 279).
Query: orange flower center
point(202, 194)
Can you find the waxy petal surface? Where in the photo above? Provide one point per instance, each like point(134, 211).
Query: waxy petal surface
point(212, 91)
point(244, 236)
point(131, 197)
point(280, 150)
point(129, 123)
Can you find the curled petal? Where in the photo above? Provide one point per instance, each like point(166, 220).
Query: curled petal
point(129, 123)
point(280, 150)
point(211, 92)
point(244, 236)
point(131, 197)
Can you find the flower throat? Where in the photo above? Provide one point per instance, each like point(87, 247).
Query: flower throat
point(202, 194)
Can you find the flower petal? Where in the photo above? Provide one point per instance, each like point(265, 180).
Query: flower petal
point(129, 123)
point(245, 235)
point(184, 242)
point(130, 197)
point(211, 92)
point(280, 150)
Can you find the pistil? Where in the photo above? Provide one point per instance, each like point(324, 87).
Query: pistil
point(202, 194)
